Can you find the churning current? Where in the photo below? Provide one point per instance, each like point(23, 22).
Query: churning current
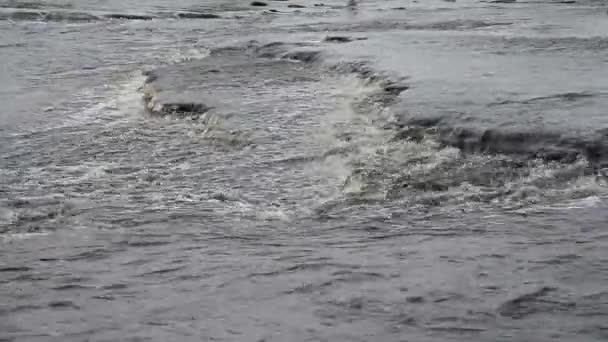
point(299, 170)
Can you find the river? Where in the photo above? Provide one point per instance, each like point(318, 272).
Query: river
point(376, 170)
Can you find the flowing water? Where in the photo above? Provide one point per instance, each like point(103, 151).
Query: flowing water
point(373, 170)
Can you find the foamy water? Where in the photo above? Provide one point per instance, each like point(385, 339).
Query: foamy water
point(375, 171)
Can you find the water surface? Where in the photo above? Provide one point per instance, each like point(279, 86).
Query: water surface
point(389, 171)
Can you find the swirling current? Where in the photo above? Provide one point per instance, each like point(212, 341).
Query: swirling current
point(328, 170)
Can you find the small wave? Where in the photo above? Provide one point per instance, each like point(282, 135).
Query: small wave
point(74, 16)
point(9, 236)
point(107, 103)
point(508, 45)
point(546, 145)
point(571, 96)
point(376, 26)
point(34, 215)
point(126, 16)
point(534, 302)
point(14, 45)
point(48, 16)
point(387, 88)
point(32, 5)
point(538, 143)
point(459, 24)
point(587, 202)
point(162, 15)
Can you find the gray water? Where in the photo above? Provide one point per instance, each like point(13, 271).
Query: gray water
point(382, 171)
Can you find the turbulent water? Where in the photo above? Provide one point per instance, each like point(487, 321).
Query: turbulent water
point(373, 170)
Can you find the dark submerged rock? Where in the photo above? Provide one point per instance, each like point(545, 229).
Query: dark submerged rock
point(303, 56)
point(195, 15)
point(186, 108)
point(338, 39)
point(396, 89)
point(415, 134)
point(128, 16)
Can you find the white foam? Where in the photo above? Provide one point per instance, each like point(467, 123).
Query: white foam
point(8, 237)
point(7, 216)
point(272, 215)
point(124, 99)
point(189, 54)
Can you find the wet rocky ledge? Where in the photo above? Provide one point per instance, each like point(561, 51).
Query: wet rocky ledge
point(223, 78)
